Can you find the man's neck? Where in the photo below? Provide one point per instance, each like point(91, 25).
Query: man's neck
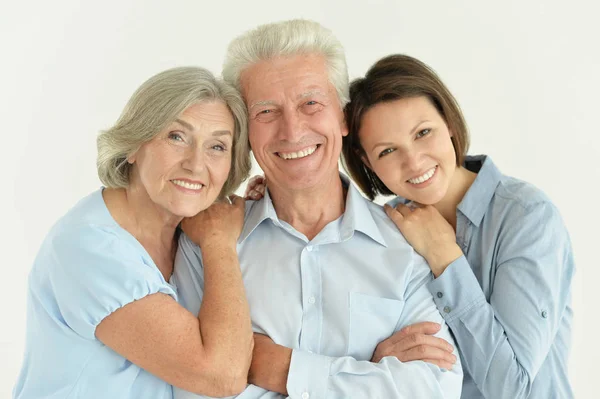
point(310, 210)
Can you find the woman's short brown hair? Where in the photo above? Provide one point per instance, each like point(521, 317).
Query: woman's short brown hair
point(396, 77)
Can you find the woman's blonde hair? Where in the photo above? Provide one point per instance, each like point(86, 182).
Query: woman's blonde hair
point(156, 104)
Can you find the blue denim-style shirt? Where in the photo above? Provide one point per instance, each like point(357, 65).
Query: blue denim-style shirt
point(332, 300)
point(507, 300)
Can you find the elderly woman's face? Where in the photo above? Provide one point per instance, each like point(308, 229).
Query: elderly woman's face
point(185, 166)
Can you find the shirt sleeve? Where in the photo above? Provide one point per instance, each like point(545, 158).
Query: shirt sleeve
point(316, 376)
point(508, 339)
point(95, 272)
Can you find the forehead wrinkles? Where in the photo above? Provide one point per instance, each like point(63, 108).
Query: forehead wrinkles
point(290, 78)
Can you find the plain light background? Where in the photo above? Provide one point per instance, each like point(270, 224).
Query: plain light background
point(525, 74)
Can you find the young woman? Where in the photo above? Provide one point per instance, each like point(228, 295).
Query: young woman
point(497, 246)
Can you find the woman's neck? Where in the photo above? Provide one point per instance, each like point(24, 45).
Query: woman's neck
point(460, 184)
point(152, 225)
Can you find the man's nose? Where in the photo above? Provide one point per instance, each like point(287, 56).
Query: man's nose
point(291, 128)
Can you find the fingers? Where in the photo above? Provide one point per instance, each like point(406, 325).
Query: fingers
point(417, 347)
point(424, 327)
point(256, 184)
point(393, 214)
point(404, 210)
point(255, 195)
point(416, 340)
point(255, 189)
point(423, 352)
point(440, 363)
point(236, 200)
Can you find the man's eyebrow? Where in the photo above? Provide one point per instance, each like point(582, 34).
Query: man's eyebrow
point(184, 124)
point(311, 93)
point(261, 103)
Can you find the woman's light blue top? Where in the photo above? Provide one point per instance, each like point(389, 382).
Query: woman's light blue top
point(508, 299)
point(87, 267)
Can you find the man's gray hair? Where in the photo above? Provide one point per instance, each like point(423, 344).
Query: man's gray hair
point(156, 104)
point(287, 39)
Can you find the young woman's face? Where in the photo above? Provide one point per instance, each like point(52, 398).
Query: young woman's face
point(407, 144)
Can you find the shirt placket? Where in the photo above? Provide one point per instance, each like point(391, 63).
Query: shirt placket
point(463, 236)
point(311, 299)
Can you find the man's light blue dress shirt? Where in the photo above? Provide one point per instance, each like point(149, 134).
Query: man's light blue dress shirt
point(87, 267)
point(507, 301)
point(332, 300)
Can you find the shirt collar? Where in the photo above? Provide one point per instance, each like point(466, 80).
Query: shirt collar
point(357, 216)
point(256, 213)
point(477, 199)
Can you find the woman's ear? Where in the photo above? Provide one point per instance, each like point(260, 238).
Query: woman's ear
point(131, 158)
point(365, 160)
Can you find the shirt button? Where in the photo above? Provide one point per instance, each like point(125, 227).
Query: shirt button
point(447, 309)
point(544, 314)
point(439, 295)
point(311, 300)
point(309, 351)
point(305, 395)
point(309, 248)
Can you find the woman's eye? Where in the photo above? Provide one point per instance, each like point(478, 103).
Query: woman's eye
point(175, 136)
point(385, 152)
point(218, 147)
point(423, 132)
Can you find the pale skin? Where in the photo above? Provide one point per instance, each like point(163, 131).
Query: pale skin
point(429, 227)
point(402, 140)
point(208, 353)
point(311, 199)
point(293, 108)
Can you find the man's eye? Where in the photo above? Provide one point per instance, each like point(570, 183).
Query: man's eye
point(423, 132)
point(311, 103)
point(385, 152)
point(265, 111)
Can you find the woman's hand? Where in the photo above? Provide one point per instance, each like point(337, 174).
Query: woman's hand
point(255, 189)
point(222, 223)
point(428, 233)
point(416, 342)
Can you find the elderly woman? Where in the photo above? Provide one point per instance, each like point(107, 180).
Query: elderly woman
point(102, 318)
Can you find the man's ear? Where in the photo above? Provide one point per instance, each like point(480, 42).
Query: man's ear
point(344, 127)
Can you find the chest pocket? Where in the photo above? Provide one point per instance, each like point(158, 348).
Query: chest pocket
point(372, 320)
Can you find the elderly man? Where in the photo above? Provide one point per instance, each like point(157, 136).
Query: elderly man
point(327, 275)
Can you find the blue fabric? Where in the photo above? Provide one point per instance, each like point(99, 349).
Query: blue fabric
point(332, 300)
point(507, 300)
point(87, 267)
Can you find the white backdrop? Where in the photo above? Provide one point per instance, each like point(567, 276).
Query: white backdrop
point(525, 73)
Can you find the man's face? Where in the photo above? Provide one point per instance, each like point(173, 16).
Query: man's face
point(296, 123)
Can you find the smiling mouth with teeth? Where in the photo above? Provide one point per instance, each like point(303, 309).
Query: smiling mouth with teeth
point(189, 186)
point(298, 154)
point(424, 177)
